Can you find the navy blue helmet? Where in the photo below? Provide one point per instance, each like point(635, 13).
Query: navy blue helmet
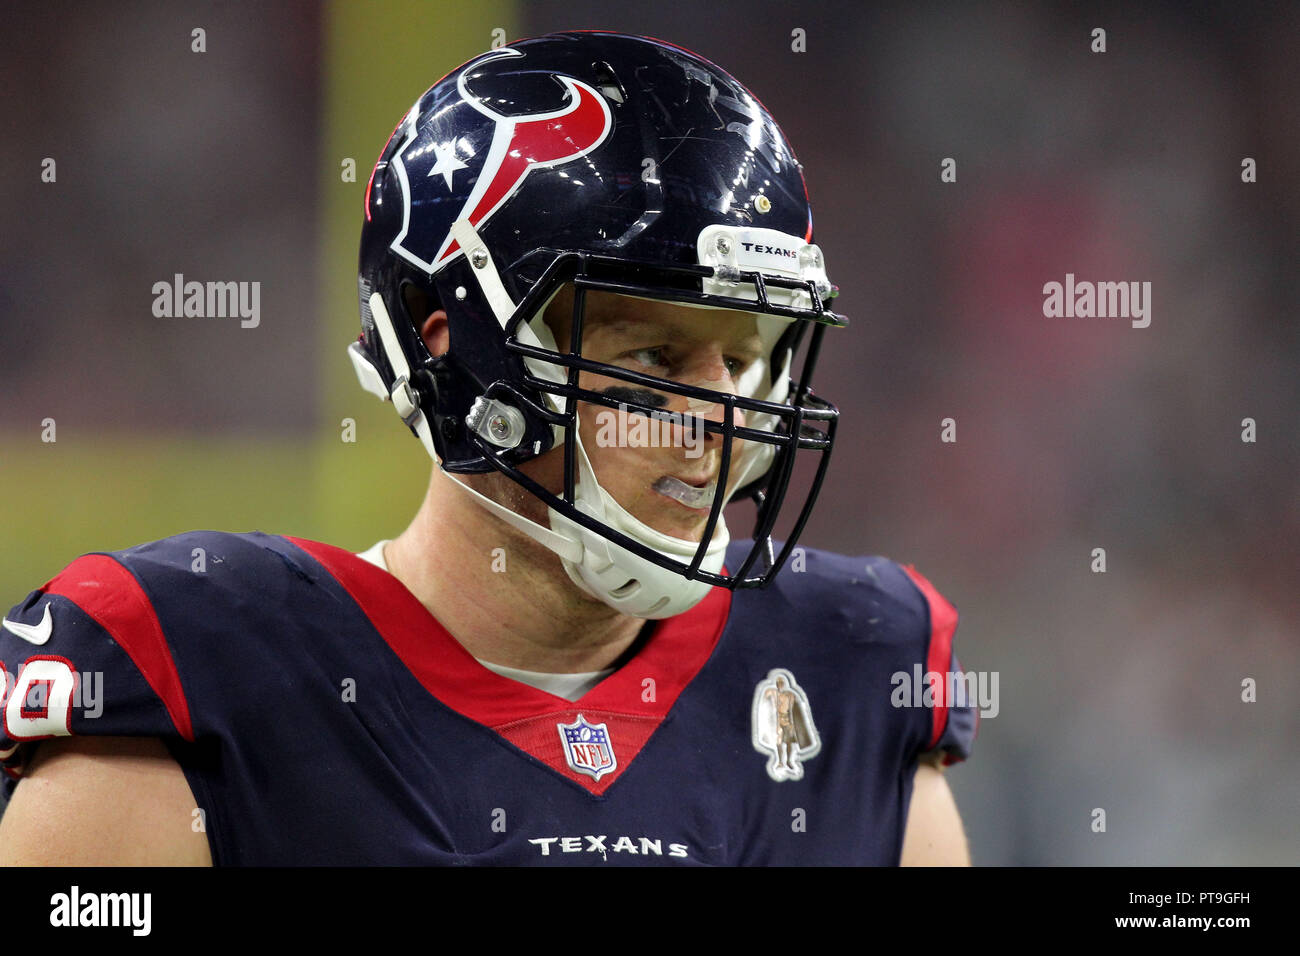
point(609, 163)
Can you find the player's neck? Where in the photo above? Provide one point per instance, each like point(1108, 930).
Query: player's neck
point(503, 596)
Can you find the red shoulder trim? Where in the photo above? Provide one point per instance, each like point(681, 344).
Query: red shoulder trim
point(110, 594)
point(943, 622)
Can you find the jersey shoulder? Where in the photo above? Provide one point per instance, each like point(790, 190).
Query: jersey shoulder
point(871, 608)
point(862, 598)
point(102, 648)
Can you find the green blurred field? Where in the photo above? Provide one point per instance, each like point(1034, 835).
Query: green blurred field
point(75, 496)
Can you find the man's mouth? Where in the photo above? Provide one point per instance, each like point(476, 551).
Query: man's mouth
point(700, 499)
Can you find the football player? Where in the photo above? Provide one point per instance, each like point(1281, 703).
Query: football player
point(589, 287)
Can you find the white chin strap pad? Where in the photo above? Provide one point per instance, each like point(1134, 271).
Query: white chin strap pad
point(627, 582)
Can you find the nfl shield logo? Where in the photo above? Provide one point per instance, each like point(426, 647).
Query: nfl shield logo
point(587, 747)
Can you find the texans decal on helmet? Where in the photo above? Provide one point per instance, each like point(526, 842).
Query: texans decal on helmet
point(517, 145)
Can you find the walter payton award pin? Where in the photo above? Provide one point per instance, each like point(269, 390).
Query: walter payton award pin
point(783, 725)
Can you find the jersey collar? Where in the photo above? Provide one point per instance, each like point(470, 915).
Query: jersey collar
point(639, 694)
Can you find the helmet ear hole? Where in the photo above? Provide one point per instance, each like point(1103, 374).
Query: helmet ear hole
point(417, 304)
point(420, 305)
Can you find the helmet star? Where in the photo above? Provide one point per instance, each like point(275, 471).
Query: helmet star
point(447, 162)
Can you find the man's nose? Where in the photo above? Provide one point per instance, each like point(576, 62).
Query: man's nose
point(715, 411)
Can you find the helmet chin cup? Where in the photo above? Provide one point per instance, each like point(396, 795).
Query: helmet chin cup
point(626, 581)
point(629, 583)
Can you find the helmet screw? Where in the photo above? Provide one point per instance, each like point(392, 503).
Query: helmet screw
point(501, 424)
point(724, 245)
point(762, 203)
point(479, 258)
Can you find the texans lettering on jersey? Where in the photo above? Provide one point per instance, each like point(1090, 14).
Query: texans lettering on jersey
point(322, 716)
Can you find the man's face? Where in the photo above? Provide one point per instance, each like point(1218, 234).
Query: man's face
point(662, 472)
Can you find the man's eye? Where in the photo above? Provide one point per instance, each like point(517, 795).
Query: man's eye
point(650, 358)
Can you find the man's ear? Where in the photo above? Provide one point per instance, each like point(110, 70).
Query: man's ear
point(436, 337)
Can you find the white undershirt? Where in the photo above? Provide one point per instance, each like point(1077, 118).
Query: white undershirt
point(568, 686)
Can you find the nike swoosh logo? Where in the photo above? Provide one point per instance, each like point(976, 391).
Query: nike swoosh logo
point(32, 633)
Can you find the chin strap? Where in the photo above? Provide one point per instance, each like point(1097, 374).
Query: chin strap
point(623, 580)
point(566, 548)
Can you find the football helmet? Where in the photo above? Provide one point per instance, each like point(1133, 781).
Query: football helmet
point(610, 164)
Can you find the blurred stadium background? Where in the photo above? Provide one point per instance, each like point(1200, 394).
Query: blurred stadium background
point(1118, 690)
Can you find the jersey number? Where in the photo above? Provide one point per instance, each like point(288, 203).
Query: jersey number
point(39, 702)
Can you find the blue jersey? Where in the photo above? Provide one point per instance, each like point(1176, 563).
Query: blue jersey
point(322, 716)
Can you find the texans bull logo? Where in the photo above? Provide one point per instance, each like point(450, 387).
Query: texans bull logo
point(519, 144)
